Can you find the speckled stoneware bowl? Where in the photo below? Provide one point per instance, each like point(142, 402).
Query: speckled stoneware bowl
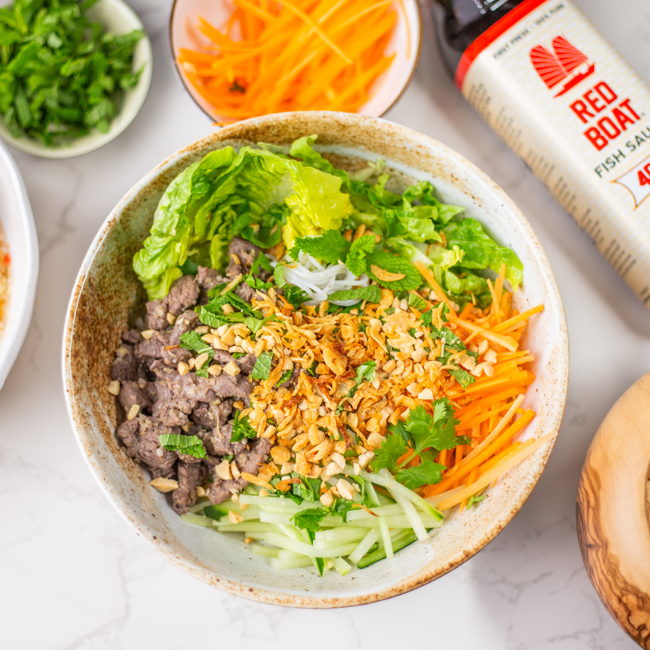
point(107, 296)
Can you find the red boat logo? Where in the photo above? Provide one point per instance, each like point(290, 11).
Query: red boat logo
point(566, 65)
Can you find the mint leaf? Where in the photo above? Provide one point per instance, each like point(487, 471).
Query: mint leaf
point(371, 293)
point(393, 264)
point(330, 247)
point(193, 341)
point(286, 375)
point(210, 319)
point(365, 372)
point(426, 473)
point(359, 250)
point(262, 368)
point(191, 445)
point(462, 377)
point(309, 519)
point(416, 302)
point(241, 428)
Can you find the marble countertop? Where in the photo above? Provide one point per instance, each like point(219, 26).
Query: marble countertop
point(76, 576)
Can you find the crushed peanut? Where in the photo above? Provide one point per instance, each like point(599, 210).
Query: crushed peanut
point(164, 484)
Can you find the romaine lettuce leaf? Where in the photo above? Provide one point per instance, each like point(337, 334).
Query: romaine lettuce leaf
point(228, 193)
point(481, 251)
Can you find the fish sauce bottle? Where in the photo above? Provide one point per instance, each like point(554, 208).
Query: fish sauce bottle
point(563, 99)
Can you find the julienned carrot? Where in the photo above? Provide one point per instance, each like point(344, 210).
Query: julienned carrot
point(494, 473)
point(515, 319)
point(292, 55)
point(495, 447)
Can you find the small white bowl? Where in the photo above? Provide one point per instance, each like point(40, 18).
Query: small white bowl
point(17, 223)
point(390, 86)
point(117, 17)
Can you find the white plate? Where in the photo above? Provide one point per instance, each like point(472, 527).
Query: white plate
point(119, 18)
point(20, 233)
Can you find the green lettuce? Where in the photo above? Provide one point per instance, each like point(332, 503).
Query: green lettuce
point(480, 251)
point(252, 193)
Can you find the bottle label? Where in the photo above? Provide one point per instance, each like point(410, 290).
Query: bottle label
point(574, 110)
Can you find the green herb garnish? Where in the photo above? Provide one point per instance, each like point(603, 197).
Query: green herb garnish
point(60, 73)
point(191, 445)
point(420, 433)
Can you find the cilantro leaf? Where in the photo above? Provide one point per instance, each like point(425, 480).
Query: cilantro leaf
point(426, 473)
point(420, 432)
point(278, 276)
point(386, 456)
point(330, 247)
point(475, 498)
point(393, 264)
point(191, 445)
point(359, 250)
point(308, 489)
point(262, 368)
point(341, 508)
point(437, 431)
point(241, 428)
point(371, 293)
point(295, 296)
point(309, 519)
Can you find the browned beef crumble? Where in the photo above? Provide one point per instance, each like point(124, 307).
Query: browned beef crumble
point(168, 402)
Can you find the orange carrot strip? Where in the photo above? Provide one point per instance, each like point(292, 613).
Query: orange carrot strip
point(426, 273)
point(317, 29)
point(504, 341)
point(494, 473)
point(498, 458)
point(493, 436)
point(515, 319)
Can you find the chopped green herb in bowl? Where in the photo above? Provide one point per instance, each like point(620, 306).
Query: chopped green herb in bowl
point(73, 74)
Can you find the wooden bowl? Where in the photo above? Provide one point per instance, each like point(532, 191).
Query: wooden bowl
point(613, 528)
point(107, 294)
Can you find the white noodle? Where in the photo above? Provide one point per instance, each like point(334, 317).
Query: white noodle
point(319, 281)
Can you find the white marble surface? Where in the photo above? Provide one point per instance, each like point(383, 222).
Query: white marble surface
point(76, 576)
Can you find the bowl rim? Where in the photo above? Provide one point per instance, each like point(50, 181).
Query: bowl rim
point(77, 148)
point(20, 313)
point(407, 82)
point(308, 600)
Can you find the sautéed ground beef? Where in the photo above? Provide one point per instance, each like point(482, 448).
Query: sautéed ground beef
point(160, 394)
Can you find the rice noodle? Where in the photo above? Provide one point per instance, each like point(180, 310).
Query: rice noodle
point(319, 281)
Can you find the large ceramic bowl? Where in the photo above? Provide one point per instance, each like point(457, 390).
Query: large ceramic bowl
point(107, 295)
point(17, 223)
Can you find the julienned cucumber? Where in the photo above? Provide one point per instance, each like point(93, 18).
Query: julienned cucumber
point(380, 554)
